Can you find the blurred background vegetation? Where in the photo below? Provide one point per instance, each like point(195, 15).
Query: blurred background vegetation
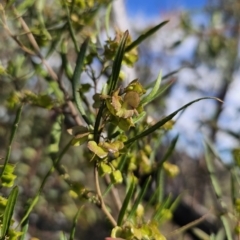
point(198, 55)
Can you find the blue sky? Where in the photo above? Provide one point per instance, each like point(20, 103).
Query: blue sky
point(155, 7)
point(188, 125)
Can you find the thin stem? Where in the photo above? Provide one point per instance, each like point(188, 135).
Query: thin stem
point(102, 204)
point(37, 52)
point(114, 192)
point(187, 226)
point(13, 133)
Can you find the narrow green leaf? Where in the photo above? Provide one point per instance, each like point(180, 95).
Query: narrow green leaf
point(126, 201)
point(30, 208)
point(112, 82)
point(226, 226)
point(152, 95)
point(63, 236)
point(162, 206)
point(73, 229)
point(235, 184)
point(163, 89)
point(13, 133)
point(172, 73)
point(107, 17)
point(108, 189)
point(151, 85)
point(65, 64)
point(175, 203)
point(157, 196)
point(212, 237)
point(76, 78)
point(144, 36)
point(211, 172)
point(122, 162)
point(139, 117)
point(234, 192)
point(53, 45)
point(117, 63)
point(70, 27)
point(160, 184)
point(25, 5)
point(8, 213)
point(217, 189)
point(169, 150)
point(164, 120)
point(200, 233)
point(24, 230)
point(139, 198)
point(220, 235)
point(215, 153)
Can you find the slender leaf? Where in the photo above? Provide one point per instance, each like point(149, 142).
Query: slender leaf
point(164, 120)
point(152, 95)
point(65, 64)
point(145, 36)
point(70, 27)
point(214, 151)
point(139, 198)
point(162, 206)
point(151, 85)
point(160, 184)
point(122, 162)
point(169, 150)
point(125, 204)
point(139, 117)
point(117, 63)
point(108, 189)
point(75, 80)
point(220, 235)
point(73, 229)
point(24, 230)
point(53, 45)
point(29, 209)
point(163, 89)
point(107, 17)
point(175, 203)
point(172, 73)
point(120, 168)
point(235, 184)
point(8, 213)
point(218, 191)
point(112, 81)
point(25, 5)
point(200, 234)
point(226, 226)
point(63, 236)
point(13, 133)
point(211, 172)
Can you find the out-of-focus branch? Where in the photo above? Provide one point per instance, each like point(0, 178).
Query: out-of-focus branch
point(37, 52)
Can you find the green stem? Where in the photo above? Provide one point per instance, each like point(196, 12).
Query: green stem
point(13, 133)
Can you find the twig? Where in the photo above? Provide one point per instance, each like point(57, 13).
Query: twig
point(38, 53)
point(102, 204)
point(114, 192)
point(187, 226)
point(13, 133)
